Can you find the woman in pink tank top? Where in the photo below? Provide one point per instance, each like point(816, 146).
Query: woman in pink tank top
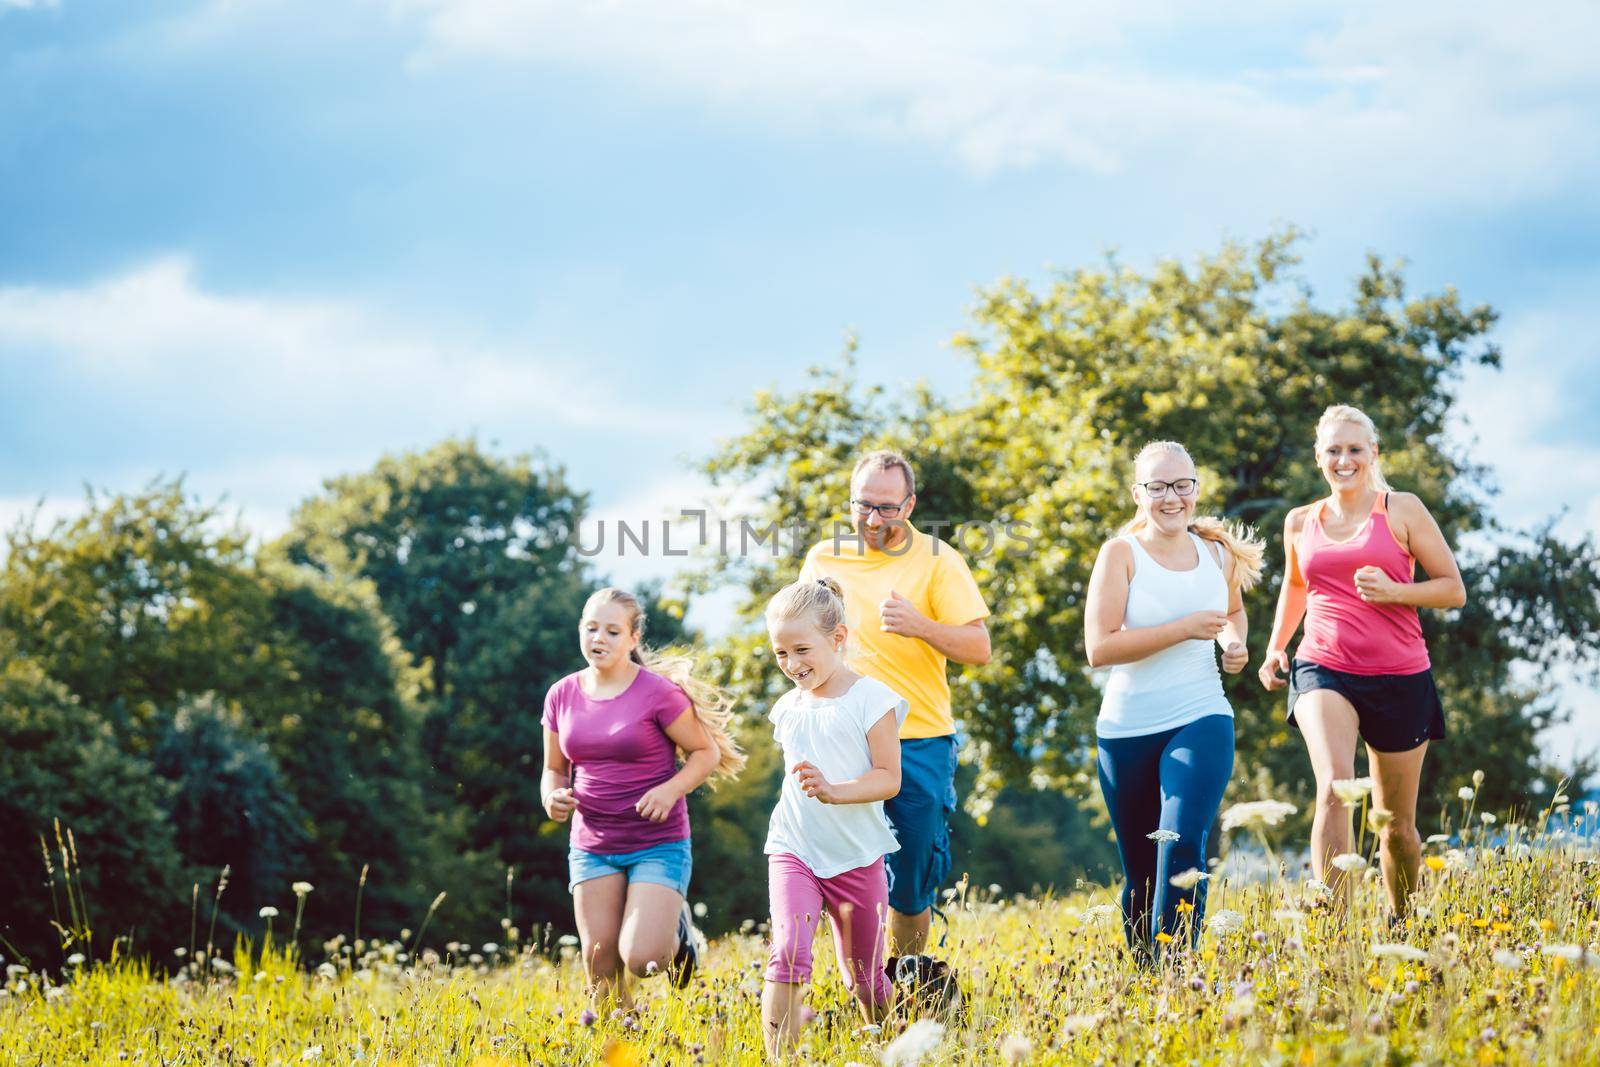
point(1361, 672)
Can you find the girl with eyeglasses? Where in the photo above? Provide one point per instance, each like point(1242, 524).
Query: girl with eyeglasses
point(1362, 672)
point(1163, 592)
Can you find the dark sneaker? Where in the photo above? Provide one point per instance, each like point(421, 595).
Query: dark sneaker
point(691, 945)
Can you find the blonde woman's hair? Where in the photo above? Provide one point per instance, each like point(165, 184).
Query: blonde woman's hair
point(1238, 540)
point(713, 705)
point(1338, 413)
point(819, 602)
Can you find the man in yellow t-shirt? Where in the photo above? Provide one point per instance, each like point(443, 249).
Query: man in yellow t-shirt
point(911, 604)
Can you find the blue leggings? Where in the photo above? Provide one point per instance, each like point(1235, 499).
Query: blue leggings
point(1172, 780)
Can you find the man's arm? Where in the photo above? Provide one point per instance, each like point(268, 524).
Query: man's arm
point(967, 643)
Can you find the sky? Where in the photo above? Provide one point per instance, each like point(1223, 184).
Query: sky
point(263, 243)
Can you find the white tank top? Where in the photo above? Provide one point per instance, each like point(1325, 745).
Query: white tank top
point(1177, 685)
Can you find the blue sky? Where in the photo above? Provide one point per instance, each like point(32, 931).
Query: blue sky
point(263, 243)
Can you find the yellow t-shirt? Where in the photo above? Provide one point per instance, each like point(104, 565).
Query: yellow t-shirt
point(936, 580)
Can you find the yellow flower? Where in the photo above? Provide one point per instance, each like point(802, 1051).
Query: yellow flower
point(1546, 924)
point(1499, 928)
point(1480, 923)
point(1184, 907)
point(621, 1054)
point(1374, 981)
point(1164, 938)
point(1435, 863)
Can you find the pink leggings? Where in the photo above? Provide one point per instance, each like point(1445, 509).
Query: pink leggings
point(857, 904)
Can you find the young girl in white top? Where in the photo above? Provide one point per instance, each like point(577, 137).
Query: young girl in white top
point(1163, 596)
point(840, 735)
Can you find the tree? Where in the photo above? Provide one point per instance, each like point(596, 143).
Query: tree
point(147, 609)
point(61, 771)
point(1231, 357)
point(442, 534)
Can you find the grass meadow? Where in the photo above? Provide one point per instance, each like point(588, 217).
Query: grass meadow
point(1499, 963)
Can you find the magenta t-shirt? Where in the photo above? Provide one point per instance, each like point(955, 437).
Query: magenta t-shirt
point(619, 751)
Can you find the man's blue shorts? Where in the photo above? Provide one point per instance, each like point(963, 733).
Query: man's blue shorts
point(668, 864)
point(920, 815)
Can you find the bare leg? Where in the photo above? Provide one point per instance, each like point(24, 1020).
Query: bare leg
point(599, 904)
point(1330, 728)
point(650, 928)
point(908, 934)
point(1396, 775)
point(780, 1016)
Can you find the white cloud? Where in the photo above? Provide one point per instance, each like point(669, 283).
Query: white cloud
point(155, 331)
point(1462, 105)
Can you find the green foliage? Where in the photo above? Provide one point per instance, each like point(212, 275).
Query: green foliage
point(445, 536)
point(62, 770)
point(230, 805)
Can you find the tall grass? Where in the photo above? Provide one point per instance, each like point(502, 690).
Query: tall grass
point(1499, 963)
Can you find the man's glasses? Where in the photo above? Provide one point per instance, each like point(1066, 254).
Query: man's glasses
point(1181, 487)
point(888, 511)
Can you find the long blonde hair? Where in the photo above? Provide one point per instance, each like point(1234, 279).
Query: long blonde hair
point(1338, 413)
point(1238, 540)
point(713, 705)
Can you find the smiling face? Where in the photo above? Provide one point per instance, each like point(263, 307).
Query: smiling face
point(1169, 513)
point(1345, 453)
point(881, 487)
point(806, 655)
point(605, 635)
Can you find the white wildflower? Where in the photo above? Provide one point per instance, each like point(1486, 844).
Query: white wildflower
point(1014, 1048)
point(311, 1054)
point(1225, 922)
point(1158, 836)
point(1570, 953)
point(1379, 819)
point(1438, 839)
point(1188, 879)
point(1466, 792)
point(75, 960)
point(1350, 862)
point(300, 890)
point(1508, 960)
point(1256, 813)
point(1487, 817)
point(1351, 790)
point(268, 912)
point(914, 1045)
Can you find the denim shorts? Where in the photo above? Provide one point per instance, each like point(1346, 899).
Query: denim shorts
point(668, 864)
point(920, 815)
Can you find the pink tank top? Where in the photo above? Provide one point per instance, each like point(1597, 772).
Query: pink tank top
point(1343, 631)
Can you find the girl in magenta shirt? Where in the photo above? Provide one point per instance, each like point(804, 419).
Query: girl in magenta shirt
point(613, 734)
point(1362, 673)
